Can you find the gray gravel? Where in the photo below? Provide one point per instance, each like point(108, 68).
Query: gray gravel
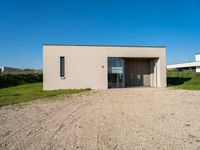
point(132, 118)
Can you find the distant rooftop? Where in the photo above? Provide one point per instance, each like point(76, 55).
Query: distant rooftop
point(101, 45)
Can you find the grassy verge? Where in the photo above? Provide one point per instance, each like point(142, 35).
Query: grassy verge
point(29, 92)
point(184, 80)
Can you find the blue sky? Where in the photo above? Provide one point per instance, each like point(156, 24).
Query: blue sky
point(27, 24)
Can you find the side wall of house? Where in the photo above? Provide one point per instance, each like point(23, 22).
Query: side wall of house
point(86, 66)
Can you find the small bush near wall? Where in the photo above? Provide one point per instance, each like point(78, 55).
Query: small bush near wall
point(17, 78)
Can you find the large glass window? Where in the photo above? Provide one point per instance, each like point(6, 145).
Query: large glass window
point(62, 66)
point(115, 72)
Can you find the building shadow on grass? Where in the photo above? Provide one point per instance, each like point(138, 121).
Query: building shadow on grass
point(174, 81)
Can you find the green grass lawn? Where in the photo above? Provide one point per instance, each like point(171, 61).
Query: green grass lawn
point(29, 92)
point(33, 91)
point(184, 80)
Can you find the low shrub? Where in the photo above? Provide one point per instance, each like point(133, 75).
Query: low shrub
point(17, 78)
point(186, 74)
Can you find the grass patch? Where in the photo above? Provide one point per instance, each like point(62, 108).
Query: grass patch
point(29, 92)
point(184, 80)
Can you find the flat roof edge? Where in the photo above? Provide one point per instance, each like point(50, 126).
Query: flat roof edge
point(101, 45)
point(189, 62)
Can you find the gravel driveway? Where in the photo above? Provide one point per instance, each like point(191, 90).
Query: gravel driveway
point(132, 118)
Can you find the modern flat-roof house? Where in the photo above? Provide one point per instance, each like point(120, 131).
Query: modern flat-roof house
point(102, 67)
point(187, 66)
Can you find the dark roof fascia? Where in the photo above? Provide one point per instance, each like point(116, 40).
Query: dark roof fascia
point(101, 45)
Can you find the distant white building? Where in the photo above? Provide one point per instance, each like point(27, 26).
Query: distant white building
point(187, 66)
point(4, 69)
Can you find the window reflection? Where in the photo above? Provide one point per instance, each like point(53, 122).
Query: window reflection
point(115, 72)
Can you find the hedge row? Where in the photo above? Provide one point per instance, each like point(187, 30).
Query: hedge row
point(184, 74)
point(13, 79)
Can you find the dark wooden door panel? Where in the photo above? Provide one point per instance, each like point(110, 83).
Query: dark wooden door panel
point(137, 72)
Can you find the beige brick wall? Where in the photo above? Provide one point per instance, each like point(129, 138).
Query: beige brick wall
point(83, 64)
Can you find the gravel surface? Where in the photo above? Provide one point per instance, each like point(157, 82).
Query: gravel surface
point(131, 118)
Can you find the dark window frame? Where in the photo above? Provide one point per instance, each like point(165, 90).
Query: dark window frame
point(62, 66)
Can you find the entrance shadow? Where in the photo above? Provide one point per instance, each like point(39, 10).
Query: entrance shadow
point(173, 81)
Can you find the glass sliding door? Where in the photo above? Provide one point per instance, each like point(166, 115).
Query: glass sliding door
point(115, 72)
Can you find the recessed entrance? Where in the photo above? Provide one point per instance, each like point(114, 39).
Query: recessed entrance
point(130, 72)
